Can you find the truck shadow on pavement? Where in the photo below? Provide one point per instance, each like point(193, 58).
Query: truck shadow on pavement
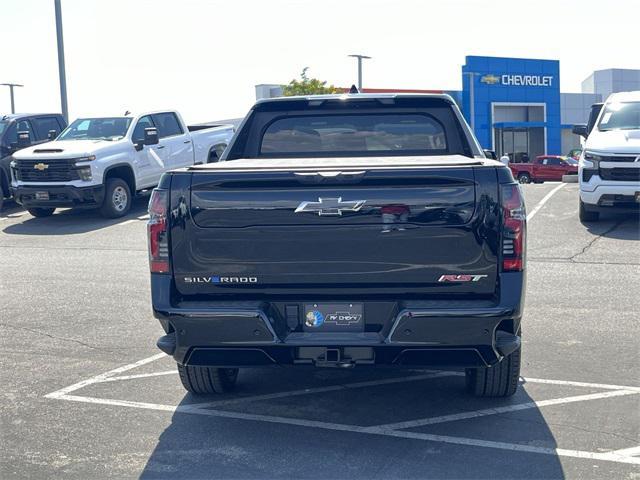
point(319, 434)
point(70, 221)
point(619, 227)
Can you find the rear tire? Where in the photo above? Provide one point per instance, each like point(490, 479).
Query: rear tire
point(207, 380)
point(524, 178)
point(117, 199)
point(500, 380)
point(41, 212)
point(1, 194)
point(586, 215)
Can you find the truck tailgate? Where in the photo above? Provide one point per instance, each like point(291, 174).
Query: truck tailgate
point(354, 232)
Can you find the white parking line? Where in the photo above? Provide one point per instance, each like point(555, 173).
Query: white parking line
point(627, 452)
point(472, 442)
point(499, 410)
point(544, 200)
point(390, 430)
point(97, 378)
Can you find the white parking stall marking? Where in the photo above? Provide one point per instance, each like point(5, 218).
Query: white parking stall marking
point(77, 386)
point(603, 386)
point(140, 375)
point(544, 200)
point(627, 452)
point(473, 442)
point(499, 410)
point(626, 455)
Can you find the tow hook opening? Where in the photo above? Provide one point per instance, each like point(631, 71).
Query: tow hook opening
point(334, 358)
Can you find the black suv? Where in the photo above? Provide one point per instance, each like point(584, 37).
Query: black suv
point(41, 127)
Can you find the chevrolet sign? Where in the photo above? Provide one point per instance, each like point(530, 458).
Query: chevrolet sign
point(518, 80)
point(490, 79)
point(41, 166)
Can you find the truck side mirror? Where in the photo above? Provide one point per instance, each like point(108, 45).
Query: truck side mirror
point(24, 139)
point(151, 136)
point(581, 130)
point(490, 154)
point(52, 134)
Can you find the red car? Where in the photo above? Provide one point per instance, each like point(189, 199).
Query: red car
point(544, 168)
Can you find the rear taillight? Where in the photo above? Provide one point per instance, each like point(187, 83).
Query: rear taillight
point(157, 232)
point(513, 228)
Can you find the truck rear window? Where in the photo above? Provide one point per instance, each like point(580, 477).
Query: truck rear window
point(356, 134)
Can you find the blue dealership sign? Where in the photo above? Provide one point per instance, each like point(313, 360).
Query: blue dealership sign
point(512, 81)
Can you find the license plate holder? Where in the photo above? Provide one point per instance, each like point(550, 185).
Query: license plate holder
point(333, 317)
point(42, 195)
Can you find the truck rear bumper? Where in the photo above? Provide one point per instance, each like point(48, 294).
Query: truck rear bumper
point(413, 333)
point(59, 196)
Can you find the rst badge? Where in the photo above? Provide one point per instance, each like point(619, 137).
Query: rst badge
point(461, 278)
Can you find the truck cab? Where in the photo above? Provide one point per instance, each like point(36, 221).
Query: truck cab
point(34, 129)
point(609, 170)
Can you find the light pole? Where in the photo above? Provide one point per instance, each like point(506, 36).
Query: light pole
point(11, 85)
point(61, 70)
point(472, 108)
point(359, 57)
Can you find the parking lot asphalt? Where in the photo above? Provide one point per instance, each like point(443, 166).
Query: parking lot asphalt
point(85, 393)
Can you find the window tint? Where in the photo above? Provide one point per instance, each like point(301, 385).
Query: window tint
point(555, 161)
point(355, 134)
point(624, 116)
point(103, 128)
point(138, 132)
point(25, 126)
point(167, 124)
point(44, 124)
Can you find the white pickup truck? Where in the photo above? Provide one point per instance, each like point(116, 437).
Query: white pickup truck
point(102, 162)
point(609, 169)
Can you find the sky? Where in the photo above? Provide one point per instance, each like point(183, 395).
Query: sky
point(204, 57)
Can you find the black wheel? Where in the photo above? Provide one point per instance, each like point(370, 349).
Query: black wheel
point(586, 215)
point(41, 212)
point(500, 380)
point(524, 178)
point(1, 194)
point(117, 199)
point(207, 380)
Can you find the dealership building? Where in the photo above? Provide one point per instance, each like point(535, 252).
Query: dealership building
point(515, 105)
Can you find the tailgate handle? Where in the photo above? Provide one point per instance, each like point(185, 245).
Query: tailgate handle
point(319, 177)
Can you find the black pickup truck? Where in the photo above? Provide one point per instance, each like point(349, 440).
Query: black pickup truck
point(21, 130)
point(340, 231)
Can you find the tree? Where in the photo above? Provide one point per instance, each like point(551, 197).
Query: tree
point(307, 86)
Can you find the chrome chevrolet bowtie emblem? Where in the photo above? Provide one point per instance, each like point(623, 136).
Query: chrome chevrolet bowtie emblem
point(41, 166)
point(330, 206)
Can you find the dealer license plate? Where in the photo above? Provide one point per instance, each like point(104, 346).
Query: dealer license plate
point(334, 317)
point(42, 195)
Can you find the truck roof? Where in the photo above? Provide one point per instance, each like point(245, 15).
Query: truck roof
point(357, 96)
point(334, 164)
point(624, 97)
point(18, 116)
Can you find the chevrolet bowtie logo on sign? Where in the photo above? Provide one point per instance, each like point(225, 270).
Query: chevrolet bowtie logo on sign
point(41, 166)
point(330, 206)
point(490, 79)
